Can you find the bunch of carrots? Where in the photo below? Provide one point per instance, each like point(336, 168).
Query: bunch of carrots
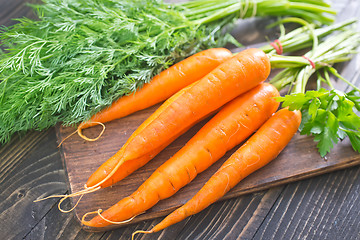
point(234, 88)
point(213, 81)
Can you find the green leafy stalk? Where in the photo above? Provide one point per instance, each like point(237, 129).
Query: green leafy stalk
point(328, 115)
point(337, 48)
point(298, 39)
point(82, 55)
point(205, 11)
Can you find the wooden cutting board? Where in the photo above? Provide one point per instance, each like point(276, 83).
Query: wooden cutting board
point(299, 160)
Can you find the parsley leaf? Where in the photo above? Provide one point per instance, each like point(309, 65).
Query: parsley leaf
point(328, 115)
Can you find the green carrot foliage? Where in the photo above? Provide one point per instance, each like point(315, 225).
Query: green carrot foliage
point(79, 56)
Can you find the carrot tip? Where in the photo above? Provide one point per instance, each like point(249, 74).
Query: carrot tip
point(113, 222)
point(80, 193)
point(98, 212)
point(67, 138)
point(83, 221)
point(140, 231)
point(79, 131)
point(63, 199)
point(48, 197)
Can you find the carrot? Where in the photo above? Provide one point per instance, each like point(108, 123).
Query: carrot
point(181, 111)
point(237, 120)
point(127, 167)
point(259, 150)
point(162, 86)
point(119, 171)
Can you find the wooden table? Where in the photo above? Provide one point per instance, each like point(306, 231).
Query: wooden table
point(321, 207)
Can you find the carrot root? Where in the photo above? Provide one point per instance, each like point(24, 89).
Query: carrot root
point(139, 231)
point(62, 141)
point(99, 211)
point(80, 193)
point(79, 132)
point(86, 190)
point(80, 128)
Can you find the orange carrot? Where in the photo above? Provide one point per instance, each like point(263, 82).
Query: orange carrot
point(236, 121)
point(120, 171)
point(181, 111)
point(163, 85)
point(259, 150)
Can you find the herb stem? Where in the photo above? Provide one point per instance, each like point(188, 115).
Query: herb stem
point(300, 38)
point(336, 74)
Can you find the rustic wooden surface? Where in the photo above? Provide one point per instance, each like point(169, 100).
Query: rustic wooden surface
point(320, 207)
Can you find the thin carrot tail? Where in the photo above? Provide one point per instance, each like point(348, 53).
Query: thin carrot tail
point(62, 141)
point(80, 193)
point(177, 216)
point(139, 231)
point(86, 125)
point(99, 211)
point(79, 132)
point(87, 189)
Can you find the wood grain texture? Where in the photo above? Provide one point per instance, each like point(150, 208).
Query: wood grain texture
point(11, 10)
point(28, 170)
point(316, 208)
point(322, 207)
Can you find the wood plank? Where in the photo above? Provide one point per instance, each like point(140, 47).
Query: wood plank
point(30, 167)
point(49, 228)
point(15, 9)
point(325, 207)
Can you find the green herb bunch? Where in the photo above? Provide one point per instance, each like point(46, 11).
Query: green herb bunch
point(329, 114)
point(80, 56)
